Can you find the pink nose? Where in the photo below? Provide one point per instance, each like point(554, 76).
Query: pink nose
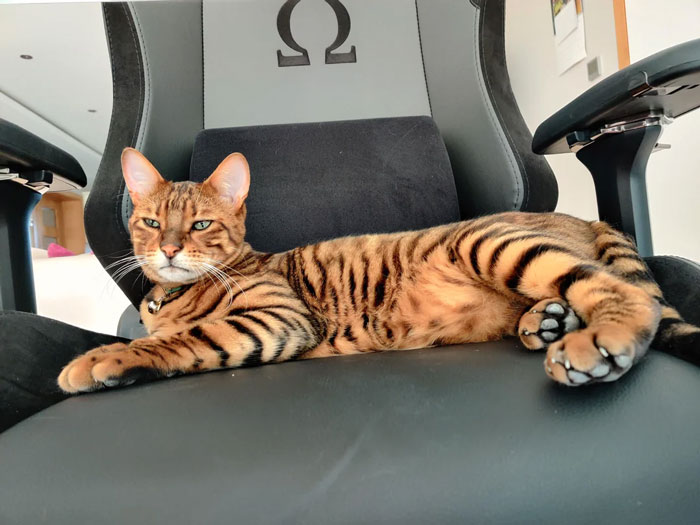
point(170, 250)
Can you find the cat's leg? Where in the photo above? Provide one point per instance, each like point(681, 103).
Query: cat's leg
point(96, 352)
point(547, 321)
point(618, 318)
point(620, 321)
point(255, 337)
point(619, 255)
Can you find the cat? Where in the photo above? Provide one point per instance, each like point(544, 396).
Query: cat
point(576, 289)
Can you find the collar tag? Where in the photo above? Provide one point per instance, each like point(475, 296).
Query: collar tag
point(154, 306)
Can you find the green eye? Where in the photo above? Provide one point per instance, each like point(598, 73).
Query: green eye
point(152, 223)
point(201, 225)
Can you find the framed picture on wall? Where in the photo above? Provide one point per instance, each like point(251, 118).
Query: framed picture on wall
point(569, 33)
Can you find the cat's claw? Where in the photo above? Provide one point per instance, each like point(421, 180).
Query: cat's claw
point(546, 322)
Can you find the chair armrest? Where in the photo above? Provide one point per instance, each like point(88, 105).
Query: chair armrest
point(665, 85)
point(29, 166)
point(37, 163)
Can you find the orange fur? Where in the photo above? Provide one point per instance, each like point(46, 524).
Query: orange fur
point(466, 282)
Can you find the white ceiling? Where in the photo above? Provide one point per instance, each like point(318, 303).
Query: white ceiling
point(68, 75)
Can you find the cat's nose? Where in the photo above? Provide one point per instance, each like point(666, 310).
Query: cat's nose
point(170, 250)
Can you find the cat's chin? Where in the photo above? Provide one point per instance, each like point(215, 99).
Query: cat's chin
point(173, 274)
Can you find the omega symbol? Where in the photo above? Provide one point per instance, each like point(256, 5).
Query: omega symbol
point(302, 59)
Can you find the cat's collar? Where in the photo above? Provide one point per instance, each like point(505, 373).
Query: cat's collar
point(154, 305)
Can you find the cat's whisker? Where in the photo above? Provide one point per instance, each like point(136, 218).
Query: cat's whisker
point(111, 285)
point(224, 278)
point(128, 267)
point(206, 272)
point(214, 276)
point(227, 267)
point(125, 260)
point(233, 279)
point(116, 253)
point(118, 279)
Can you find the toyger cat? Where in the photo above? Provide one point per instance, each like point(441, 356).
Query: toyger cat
point(577, 289)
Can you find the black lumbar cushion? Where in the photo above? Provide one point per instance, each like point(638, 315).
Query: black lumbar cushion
point(316, 181)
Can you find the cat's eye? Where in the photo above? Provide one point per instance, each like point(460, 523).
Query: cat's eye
point(152, 223)
point(201, 225)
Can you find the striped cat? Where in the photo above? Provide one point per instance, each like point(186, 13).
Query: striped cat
point(577, 289)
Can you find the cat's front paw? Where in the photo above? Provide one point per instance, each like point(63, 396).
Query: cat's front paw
point(595, 354)
point(106, 366)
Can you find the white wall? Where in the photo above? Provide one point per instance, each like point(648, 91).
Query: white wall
point(673, 176)
point(50, 95)
point(540, 91)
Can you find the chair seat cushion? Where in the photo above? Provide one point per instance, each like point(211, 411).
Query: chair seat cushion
point(461, 434)
point(317, 181)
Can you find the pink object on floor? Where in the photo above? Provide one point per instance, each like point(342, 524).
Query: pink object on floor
point(56, 250)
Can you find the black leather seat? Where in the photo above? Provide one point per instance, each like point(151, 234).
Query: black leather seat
point(462, 434)
point(465, 434)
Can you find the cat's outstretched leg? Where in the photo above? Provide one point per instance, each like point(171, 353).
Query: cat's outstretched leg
point(255, 337)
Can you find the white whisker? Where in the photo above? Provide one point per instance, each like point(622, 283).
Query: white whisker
point(227, 267)
point(224, 278)
point(125, 265)
point(124, 260)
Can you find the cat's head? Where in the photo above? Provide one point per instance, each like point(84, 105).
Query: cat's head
point(179, 230)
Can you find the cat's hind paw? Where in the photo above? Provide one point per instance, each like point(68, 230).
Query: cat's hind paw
point(592, 355)
point(546, 322)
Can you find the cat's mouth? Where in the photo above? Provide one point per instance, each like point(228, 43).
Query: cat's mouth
point(173, 267)
point(173, 273)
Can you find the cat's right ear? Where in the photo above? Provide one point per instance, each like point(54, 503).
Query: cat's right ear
point(140, 176)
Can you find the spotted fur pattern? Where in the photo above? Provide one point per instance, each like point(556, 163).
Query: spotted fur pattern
point(575, 289)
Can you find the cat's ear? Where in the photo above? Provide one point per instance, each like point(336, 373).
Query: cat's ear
point(140, 176)
point(231, 179)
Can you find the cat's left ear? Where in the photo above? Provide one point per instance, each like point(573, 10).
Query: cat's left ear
point(231, 179)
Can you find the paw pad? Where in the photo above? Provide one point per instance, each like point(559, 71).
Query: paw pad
point(579, 359)
point(546, 322)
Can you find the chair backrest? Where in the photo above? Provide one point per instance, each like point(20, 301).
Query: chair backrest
point(316, 181)
point(181, 67)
